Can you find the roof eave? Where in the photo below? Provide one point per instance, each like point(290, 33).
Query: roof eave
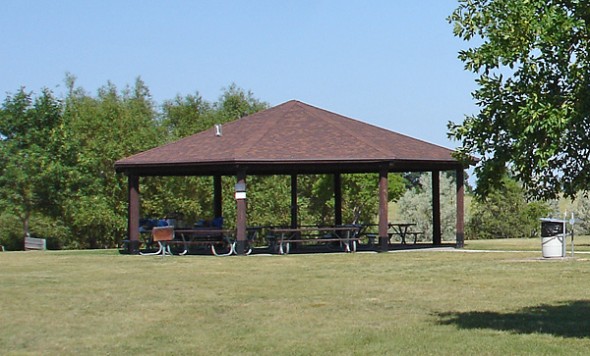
point(284, 166)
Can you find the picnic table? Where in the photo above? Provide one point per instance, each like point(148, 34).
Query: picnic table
point(346, 236)
point(219, 241)
point(400, 229)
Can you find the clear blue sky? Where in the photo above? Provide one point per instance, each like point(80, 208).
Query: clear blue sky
point(389, 63)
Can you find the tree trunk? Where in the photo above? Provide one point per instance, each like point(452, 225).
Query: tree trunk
point(25, 220)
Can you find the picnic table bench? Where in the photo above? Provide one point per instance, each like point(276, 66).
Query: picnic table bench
point(346, 236)
point(34, 243)
point(415, 234)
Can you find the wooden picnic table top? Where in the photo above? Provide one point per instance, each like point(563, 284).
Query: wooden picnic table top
point(318, 228)
point(389, 224)
point(204, 231)
point(401, 224)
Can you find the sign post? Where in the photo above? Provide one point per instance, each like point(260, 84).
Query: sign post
point(572, 221)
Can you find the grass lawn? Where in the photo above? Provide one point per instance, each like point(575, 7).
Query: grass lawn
point(399, 303)
point(581, 244)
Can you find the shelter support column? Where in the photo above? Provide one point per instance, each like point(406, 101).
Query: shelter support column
point(436, 228)
point(294, 203)
point(337, 199)
point(217, 197)
point(241, 218)
point(133, 214)
point(460, 224)
point(383, 210)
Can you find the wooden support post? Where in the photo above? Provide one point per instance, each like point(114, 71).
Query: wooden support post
point(436, 228)
point(383, 211)
point(241, 218)
point(294, 203)
point(133, 214)
point(337, 199)
point(217, 197)
point(460, 224)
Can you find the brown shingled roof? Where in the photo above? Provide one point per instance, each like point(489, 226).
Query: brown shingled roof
point(291, 137)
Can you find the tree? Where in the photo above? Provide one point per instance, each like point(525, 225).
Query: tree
point(105, 128)
point(415, 205)
point(269, 201)
point(505, 213)
point(235, 103)
point(581, 209)
point(31, 141)
point(187, 115)
point(360, 192)
point(533, 62)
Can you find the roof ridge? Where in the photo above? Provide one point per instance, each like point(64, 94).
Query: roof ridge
point(352, 132)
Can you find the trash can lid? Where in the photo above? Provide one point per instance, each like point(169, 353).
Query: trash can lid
point(553, 220)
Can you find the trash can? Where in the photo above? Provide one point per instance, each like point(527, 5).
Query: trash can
point(553, 237)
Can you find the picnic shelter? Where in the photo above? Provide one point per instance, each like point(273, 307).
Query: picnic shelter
point(295, 138)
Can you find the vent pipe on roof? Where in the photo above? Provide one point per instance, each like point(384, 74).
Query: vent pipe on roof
point(218, 132)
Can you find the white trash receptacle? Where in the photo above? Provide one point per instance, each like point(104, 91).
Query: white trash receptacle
point(553, 238)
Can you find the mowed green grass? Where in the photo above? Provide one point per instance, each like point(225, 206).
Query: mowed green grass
point(581, 244)
point(397, 303)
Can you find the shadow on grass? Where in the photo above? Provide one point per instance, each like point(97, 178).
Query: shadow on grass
point(568, 319)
